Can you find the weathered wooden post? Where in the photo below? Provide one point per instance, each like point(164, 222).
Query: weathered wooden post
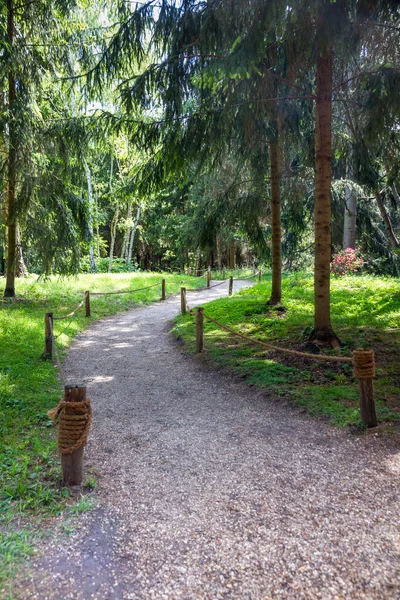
point(199, 330)
point(73, 428)
point(259, 275)
point(230, 285)
point(208, 278)
point(364, 371)
point(183, 301)
point(48, 336)
point(87, 303)
point(163, 289)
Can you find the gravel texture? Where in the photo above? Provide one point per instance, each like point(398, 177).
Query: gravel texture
point(210, 489)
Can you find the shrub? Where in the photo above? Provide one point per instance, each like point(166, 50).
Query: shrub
point(346, 262)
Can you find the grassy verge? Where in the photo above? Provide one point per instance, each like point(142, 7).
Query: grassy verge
point(365, 313)
point(29, 467)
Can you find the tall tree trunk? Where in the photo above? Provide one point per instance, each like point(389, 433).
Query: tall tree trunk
point(132, 235)
point(20, 268)
point(323, 175)
point(350, 210)
point(9, 292)
point(275, 161)
point(90, 200)
point(232, 256)
point(219, 253)
point(198, 262)
point(276, 291)
point(394, 242)
point(114, 224)
point(125, 243)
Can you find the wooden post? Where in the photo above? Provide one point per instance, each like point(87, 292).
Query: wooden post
point(223, 272)
point(87, 303)
point(48, 336)
point(259, 275)
point(72, 464)
point(183, 301)
point(208, 278)
point(199, 330)
point(364, 371)
point(230, 285)
point(163, 289)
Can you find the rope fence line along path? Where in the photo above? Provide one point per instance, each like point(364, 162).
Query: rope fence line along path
point(71, 314)
point(363, 362)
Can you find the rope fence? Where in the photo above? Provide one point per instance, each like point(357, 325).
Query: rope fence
point(363, 362)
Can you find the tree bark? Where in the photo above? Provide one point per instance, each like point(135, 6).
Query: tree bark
point(9, 292)
point(350, 213)
point(219, 254)
point(394, 242)
point(90, 200)
point(114, 224)
point(232, 256)
point(276, 291)
point(20, 268)
point(323, 175)
point(132, 235)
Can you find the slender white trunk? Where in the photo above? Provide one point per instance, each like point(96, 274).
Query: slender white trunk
point(350, 210)
point(125, 243)
point(132, 236)
point(114, 224)
point(90, 224)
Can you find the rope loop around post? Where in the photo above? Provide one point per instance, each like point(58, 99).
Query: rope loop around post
point(364, 364)
point(73, 427)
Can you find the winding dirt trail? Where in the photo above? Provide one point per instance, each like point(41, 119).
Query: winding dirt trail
point(209, 489)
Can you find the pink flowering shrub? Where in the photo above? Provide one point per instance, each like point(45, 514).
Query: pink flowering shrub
point(346, 262)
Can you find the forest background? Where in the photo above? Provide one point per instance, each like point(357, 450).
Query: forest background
point(166, 135)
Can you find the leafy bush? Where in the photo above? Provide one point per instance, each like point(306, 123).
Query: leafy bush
point(346, 262)
point(118, 266)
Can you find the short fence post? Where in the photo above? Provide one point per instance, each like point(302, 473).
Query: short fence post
point(208, 278)
point(230, 285)
point(87, 303)
point(199, 330)
point(48, 336)
point(183, 301)
point(364, 371)
point(163, 289)
point(72, 463)
point(259, 275)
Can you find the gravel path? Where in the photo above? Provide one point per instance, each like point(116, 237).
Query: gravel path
point(209, 489)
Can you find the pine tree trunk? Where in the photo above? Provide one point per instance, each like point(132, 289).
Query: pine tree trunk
point(394, 242)
point(132, 235)
point(90, 200)
point(276, 291)
point(350, 213)
point(219, 254)
point(9, 292)
point(232, 256)
point(127, 234)
point(114, 224)
point(323, 175)
point(20, 268)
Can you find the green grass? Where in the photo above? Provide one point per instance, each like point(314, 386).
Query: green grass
point(365, 313)
point(30, 472)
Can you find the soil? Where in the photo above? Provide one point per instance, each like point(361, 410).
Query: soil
point(210, 489)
